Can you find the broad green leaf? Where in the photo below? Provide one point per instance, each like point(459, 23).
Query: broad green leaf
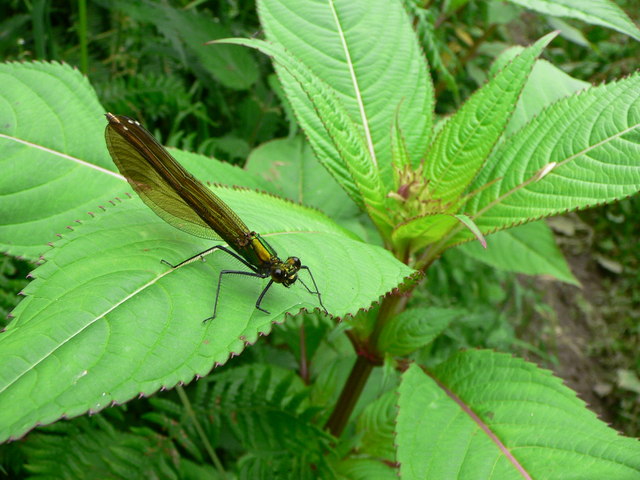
point(52, 172)
point(529, 249)
point(567, 31)
point(486, 415)
point(340, 42)
point(213, 171)
point(105, 321)
point(290, 165)
point(587, 146)
point(546, 85)
point(54, 160)
point(465, 141)
point(355, 171)
point(596, 12)
point(415, 328)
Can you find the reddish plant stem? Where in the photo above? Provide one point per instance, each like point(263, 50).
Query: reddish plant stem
point(349, 395)
point(304, 366)
point(368, 357)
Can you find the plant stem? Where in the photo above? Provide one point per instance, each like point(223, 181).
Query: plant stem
point(388, 309)
point(83, 36)
point(368, 357)
point(203, 437)
point(350, 395)
point(304, 366)
point(38, 16)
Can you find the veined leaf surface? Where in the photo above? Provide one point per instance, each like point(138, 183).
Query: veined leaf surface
point(105, 321)
point(517, 421)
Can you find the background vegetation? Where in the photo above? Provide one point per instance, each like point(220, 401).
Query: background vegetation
point(140, 58)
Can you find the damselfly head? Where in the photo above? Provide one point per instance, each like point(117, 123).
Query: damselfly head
point(286, 272)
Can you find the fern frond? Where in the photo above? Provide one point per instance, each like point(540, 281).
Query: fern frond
point(91, 447)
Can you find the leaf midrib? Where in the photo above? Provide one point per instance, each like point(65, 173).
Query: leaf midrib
point(63, 155)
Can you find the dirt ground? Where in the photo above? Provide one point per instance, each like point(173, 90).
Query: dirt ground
point(574, 332)
point(580, 335)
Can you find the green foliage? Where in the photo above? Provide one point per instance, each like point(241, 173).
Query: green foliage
point(104, 321)
point(509, 423)
point(497, 308)
point(538, 252)
point(416, 327)
point(269, 414)
point(599, 12)
point(158, 96)
point(264, 411)
point(93, 447)
point(465, 141)
point(129, 294)
point(589, 154)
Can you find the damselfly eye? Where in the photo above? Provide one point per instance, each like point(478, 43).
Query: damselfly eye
point(278, 275)
point(295, 261)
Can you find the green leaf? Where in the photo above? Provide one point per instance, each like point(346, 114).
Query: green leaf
point(52, 119)
point(423, 230)
point(488, 415)
point(290, 165)
point(415, 328)
point(375, 428)
point(596, 12)
point(569, 32)
point(354, 169)
point(212, 171)
point(105, 321)
point(465, 141)
point(546, 85)
point(339, 42)
point(529, 249)
point(36, 202)
point(580, 152)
